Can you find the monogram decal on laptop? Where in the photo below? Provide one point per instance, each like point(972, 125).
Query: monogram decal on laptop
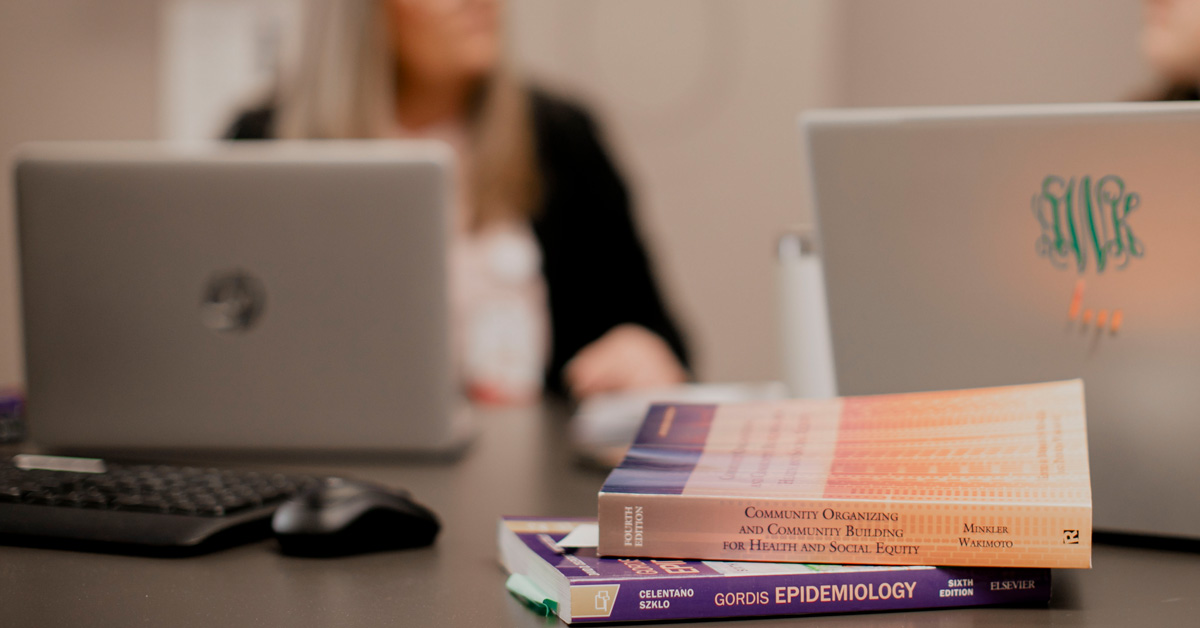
point(1086, 220)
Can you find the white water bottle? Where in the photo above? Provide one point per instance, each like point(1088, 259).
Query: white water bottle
point(803, 317)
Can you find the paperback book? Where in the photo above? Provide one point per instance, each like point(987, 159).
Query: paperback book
point(579, 586)
point(994, 477)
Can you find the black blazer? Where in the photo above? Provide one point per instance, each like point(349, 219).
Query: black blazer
point(597, 273)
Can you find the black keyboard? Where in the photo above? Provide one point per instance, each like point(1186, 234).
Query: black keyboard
point(85, 499)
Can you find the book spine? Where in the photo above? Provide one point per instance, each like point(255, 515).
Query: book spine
point(844, 532)
point(669, 598)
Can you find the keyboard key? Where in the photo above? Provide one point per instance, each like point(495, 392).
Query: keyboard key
point(93, 500)
point(213, 510)
point(141, 503)
point(41, 497)
point(183, 508)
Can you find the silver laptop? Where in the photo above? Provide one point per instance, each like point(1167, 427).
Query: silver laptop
point(1002, 245)
point(225, 297)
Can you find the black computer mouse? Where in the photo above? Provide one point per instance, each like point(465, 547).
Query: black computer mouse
point(339, 517)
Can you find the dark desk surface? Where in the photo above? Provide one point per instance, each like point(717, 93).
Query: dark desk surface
point(520, 465)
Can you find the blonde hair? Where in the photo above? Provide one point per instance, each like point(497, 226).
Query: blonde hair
point(343, 86)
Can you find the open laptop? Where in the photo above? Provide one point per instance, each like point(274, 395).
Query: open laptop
point(220, 297)
point(1000, 245)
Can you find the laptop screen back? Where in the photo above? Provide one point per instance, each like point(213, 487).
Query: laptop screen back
point(972, 247)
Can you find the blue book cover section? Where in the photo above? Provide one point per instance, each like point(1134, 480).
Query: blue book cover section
point(665, 452)
point(630, 589)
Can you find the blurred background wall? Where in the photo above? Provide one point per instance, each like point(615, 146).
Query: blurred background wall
point(698, 97)
point(950, 52)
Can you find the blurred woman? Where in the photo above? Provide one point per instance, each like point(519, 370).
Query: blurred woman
point(550, 284)
point(1171, 43)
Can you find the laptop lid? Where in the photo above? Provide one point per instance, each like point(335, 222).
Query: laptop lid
point(265, 296)
point(986, 246)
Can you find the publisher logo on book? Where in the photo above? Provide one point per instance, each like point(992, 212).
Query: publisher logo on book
point(632, 535)
point(593, 601)
point(1071, 537)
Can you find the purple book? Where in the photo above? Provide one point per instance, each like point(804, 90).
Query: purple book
point(579, 586)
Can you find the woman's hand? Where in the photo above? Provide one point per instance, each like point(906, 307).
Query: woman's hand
point(628, 356)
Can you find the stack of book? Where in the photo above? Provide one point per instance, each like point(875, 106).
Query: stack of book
point(921, 500)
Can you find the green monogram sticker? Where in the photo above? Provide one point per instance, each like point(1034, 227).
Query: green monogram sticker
point(1083, 220)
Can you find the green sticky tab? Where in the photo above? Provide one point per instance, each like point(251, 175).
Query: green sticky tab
point(529, 593)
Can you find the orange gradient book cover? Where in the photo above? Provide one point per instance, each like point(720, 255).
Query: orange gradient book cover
point(985, 477)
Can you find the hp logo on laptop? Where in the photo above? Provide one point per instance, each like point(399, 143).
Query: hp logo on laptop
point(233, 301)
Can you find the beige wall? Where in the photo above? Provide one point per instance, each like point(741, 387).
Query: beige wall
point(69, 69)
point(955, 52)
point(698, 97)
